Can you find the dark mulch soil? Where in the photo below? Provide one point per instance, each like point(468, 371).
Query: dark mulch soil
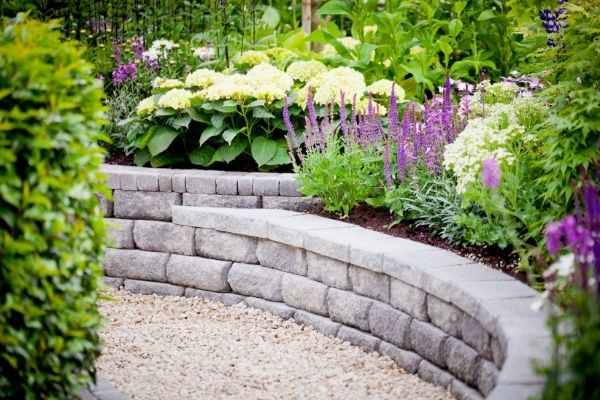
point(119, 159)
point(378, 219)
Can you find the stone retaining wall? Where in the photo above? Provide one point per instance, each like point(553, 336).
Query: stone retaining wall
point(455, 323)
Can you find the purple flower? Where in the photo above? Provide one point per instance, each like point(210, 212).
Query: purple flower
point(138, 47)
point(447, 111)
point(554, 235)
point(386, 163)
point(152, 63)
point(343, 122)
point(116, 51)
point(124, 72)
point(312, 116)
point(490, 173)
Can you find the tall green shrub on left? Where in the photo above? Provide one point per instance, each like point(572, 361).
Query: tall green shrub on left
point(51, 227)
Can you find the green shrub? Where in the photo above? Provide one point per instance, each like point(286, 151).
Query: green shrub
point(51, 227)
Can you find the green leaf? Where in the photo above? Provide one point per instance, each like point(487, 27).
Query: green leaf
point(455, 27)
point(161, 139)
point(263, 150)
point(486, 15)
point(197, 116)
point(261, 113)
point(271, 17)
point(182, 122)
point(168, 158)
point(202, 155)
point(256, 103)
point(230, 134)
point(230, 103)
point(209, 132)
point(142, 157)
point(459, 6)
point(128, 121)
point(217, 120)
point(281, 156)
point(229, 153)
point(165, 112)
point(335, 7)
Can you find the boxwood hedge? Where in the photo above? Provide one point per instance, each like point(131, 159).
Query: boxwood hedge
point(51, 227)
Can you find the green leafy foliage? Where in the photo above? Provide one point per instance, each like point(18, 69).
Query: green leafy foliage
point(51, 226)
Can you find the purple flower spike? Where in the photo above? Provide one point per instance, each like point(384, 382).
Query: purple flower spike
point(386, 162)
point(117, 51)
point(490, 173)
point(554, 235)
point(138, 47)
point(312, 116)
point(343, 122)
point(447, 110)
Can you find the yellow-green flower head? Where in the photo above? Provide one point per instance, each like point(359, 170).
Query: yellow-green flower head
point(301, 96)
point(202, 78)
point(304, 71)
point(231, 87)
point(280, 53)
point(267, 75)
point(146, 106)
point(177, 99)
point(162, 83)
point(383, 88)
point(362, 107)
point(269, 93)
point(342, 79)
point(370, 29)
point(252, 57)
point(416, 50)
point(348, 42)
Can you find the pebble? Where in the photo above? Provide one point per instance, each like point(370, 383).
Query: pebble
point(189, 348)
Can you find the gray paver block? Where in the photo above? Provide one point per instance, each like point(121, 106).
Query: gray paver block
point(432, 374)
point(147, 181)
point(201, 183)
point(322, 324)
point(291, 230)
point(135, 264)
point(409, 299)
point(145, 205)
point(358, 338)
point(369, 283)
point(305, 294)
point(106, 206)
point(487, 376)
point(228, 299)
point(116, 283)
point(164, 236)
point(331, 243)
point(227, 184)
point(289, 185)
point(515, 391)
point(265, 185)
point(404, 359)
point(199, 273)
point(461, 360)
point(497, 352)
point(276, 308)
point(349, 308)
point(291, 203)
point(445, 316)
point(256, 281)
point(178, 183)
point(475, 335)
point(226, 246)
point(145, 287)
point(244, 184)
point(128, 180)
point(327, 270)
point(220, 200)
point(119, 233)
point(390, 324)
point(427, 341)
point(460, 391)
point(165, 182)
point(281, 256)
point(113, 180)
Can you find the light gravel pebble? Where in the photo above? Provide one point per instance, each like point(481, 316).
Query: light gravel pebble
point(189, 348)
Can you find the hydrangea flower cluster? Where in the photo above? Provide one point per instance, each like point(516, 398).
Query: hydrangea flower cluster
point(202, 78)
point(177, 99)
point(162, 83)
point(341, 79)
point(146, 107)
point(251, 58)
point(303, 71)
point(383, 88)
point(160, 49)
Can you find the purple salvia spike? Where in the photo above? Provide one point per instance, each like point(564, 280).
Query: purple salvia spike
point(353, 121)
point(386, 162)
point(308, 135)
point(310, 104)
point(393, 114)
point(447, 121)
point(324, 128)
point(343, 122)
point(291, 135)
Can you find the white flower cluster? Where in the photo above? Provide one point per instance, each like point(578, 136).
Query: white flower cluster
point(162, 83)
point(348, 42)
point(486, 137)
point(146, 107)
point(383, 88)
point(177, 99)
point(303, 71)
point(160, 49)
point(362, 107)
point(202, 78)
point(204, 53)
point(341, 79)
point(252, 57)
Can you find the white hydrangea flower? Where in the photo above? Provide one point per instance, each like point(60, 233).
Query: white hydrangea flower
point(177, 99)
point(163, 83)
point(340, 79)
point(252, 57)
point(146, 106)
point(304, 71)
point(383, 88)
point(362, 107)
point(202, 78)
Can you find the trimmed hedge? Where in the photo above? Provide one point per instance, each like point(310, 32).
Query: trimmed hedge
point(51, 226)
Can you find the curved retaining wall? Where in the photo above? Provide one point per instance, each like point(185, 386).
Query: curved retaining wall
point(455, 323)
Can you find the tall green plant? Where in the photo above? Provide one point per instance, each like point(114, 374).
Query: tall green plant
point(51, 227)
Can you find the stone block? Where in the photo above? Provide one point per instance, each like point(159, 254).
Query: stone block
point(203, 182)
point(281, 310)
point(497, 352)
point(407, 360)
point(128, 180)
point(165, 183)
point(335, 242)
point(461, 360)
point(292, 203)
point(427, 341)
point(460, 391)
point(113, 180)
point(322, 324)
point(218, 200)
point(228, 299)
point(226, 246)
point(349, 308)
point(178, 183)
point(445, 316)
point(199, 273)
point(515, 391)
point(145, 205)
point(256, 281)
point(119, 233)
point(289, 185)
point(291, 230)
point(116, 283)
point(147, 181)
point(135, 264)
point(327, 270)
point(369, 283)
point(409, 299)
point(106, 206)
point(161, 289)
point(281, 256)
point(390, 324)
point(358, 338)
point(165, 237)
point(305, 294)
point(265, 185)
point(432, 374)
point(487, 376)
point(244, 184)
point(475, 335)
point(227, 184)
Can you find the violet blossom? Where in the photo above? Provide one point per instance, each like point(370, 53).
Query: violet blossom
point(124, 72)
point(490, 173)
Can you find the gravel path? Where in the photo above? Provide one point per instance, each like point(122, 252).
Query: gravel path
point(187, 348)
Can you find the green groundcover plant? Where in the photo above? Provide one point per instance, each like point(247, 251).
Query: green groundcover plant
point(51, 226)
